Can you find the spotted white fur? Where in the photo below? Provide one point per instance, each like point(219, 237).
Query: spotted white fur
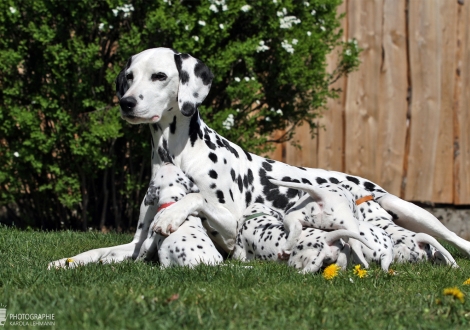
point(189, 245)
point(408, 246)
point(262, 236)
point(229, 179)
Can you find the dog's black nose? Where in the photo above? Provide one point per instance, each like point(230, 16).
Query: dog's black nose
point(128, 103)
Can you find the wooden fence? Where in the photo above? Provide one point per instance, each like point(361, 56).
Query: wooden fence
point(403, 119)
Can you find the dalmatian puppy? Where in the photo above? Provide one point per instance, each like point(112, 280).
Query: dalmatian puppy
point(407, 245)
point(262, 236)
point(163, 88)
point(382, 245)
point(326, 206)
point(189, 245)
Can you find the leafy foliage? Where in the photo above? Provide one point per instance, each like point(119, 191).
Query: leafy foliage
point(66, 158)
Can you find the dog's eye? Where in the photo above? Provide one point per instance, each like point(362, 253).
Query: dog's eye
point(158, 76)
point(129, 76)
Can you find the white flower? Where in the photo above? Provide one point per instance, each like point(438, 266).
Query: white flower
point(322, 28)
point(245, 8)
point(274, 1)
point(115, 12)
point(258, 102)
point(214, 8)
point(196, 38)
point(267, 119)
point(186, 27)
point(16, 154)
point(288, 47)
point(224, 8)
point(279, 112)
point(252, 78)
point(12, 10)
point(313, 12)
point(229, 122)
point(221, 26)
point(101, 26)
point(202, 23)
point(309, 33)
point(288, 21)
point(111, 27)
point(247, 79)
point(294, 41)
point(262, 47)
point(348, 52)
point(306, 4)
point(237, 79)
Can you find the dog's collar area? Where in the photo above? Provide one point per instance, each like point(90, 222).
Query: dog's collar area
point(364, 199)
point(164, 206)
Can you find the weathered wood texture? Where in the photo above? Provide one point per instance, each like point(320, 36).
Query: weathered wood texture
point(402, 119)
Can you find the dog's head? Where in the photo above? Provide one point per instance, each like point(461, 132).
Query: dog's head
point(157, 81)
point(170, 184)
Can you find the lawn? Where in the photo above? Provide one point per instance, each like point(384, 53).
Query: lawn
point(232, 296)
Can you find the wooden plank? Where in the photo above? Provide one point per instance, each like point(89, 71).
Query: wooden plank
point(462, 110)
point(279, 152)
point(307, 155)
point(393, 104)
point(362, 96)
point(331, 133)
point(425, 59)
point(443, 185)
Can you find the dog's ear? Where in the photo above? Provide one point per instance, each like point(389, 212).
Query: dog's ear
point(153, 194)
point(195, 83)
point(121, 81)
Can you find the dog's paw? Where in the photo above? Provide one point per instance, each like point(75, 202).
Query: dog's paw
point(284, 255)
point(62, 263)
point(170, 219)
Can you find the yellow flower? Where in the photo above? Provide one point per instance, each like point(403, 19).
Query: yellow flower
point(455, 292)
point(361, 273)
point(331, 271)
point(69, 260)
point(467, 282)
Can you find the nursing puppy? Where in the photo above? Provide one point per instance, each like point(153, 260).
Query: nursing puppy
point(189, 245)
point(262, 236)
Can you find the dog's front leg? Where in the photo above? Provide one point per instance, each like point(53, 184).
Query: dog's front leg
point(222, 223)
point(117, 253)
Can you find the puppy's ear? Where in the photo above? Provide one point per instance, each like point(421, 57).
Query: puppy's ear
point(195, 83)
point(152, 195)
point(121, 82)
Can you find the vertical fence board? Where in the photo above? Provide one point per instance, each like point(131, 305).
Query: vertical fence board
point(331, 134)
point(393, 103)
point(307, 156)
point(362, 96)
point(443, 171)
point(425, 60)
point(462, 110)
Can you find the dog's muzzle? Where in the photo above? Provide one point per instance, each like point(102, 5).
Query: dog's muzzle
point(128, 103)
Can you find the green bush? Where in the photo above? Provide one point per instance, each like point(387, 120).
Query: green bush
point(66, 158)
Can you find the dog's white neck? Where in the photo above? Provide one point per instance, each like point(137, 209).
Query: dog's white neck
point(170, 136)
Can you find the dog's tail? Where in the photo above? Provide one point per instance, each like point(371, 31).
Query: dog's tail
point(335, 235)
point(422, 238)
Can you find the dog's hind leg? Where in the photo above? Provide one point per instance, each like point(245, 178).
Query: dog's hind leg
point(414, 218)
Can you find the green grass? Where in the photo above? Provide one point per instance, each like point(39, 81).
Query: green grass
point(266, 296)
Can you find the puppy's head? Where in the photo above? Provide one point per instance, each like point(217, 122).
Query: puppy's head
point(170, 184)
point(157, 81)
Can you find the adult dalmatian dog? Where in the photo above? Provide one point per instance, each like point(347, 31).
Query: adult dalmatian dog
point(163, 88)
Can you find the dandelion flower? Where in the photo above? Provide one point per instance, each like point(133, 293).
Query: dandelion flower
point(359, 272)
point(467, 282)
point(331, 272)
point(68, 261)
point(392, 272)
point(455, 292)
